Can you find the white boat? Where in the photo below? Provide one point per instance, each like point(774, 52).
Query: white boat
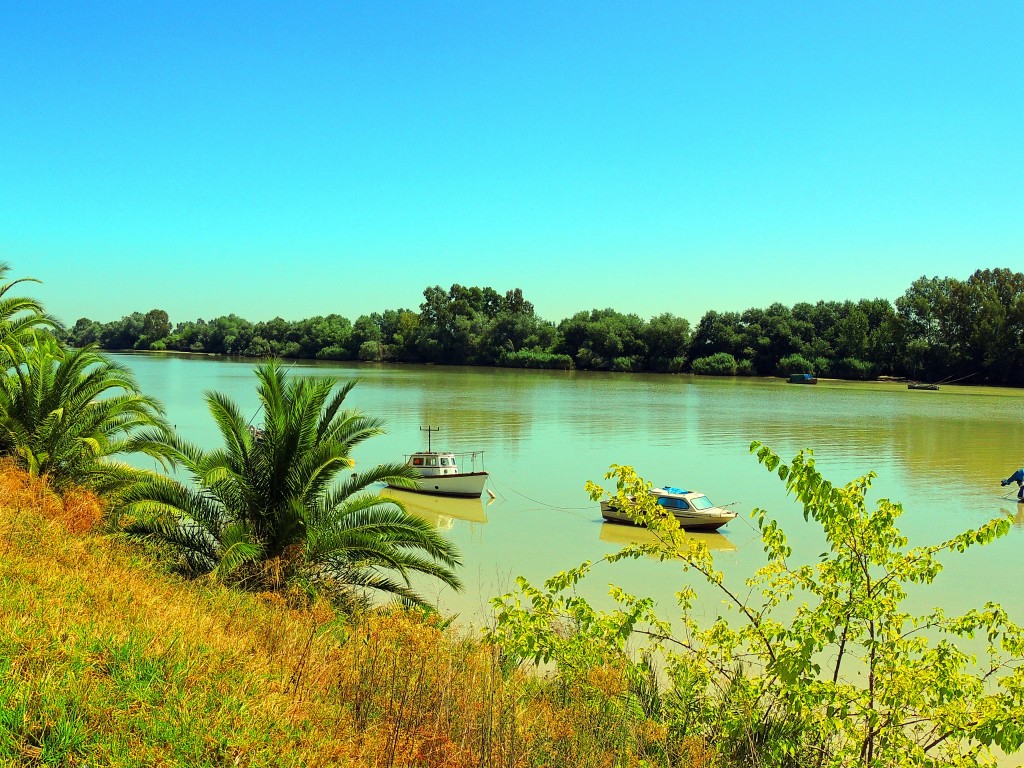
point(440, 473)
point(693, 510)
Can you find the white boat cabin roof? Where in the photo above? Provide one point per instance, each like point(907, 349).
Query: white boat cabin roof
point(672, 497)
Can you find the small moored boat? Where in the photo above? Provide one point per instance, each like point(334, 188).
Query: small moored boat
point(693, 510)
point(922, 385)
point(440, 473)
point(803, 378)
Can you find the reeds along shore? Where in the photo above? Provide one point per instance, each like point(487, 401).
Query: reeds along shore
point(108, 659)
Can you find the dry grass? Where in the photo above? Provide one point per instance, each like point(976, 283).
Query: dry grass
point(106, 660)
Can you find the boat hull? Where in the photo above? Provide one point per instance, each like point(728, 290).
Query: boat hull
point(465, 485)
point(690, 520)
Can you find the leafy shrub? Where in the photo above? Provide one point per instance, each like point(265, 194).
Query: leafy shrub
point(852, 368)
point(627, 364)
point(795, 364)
point(745, 368)
point(589, 361)
point(371, 350)
point(668, 364)
point(333, 353)
point(258, 347)
point(532, 358)
point(289, 349)
point(719, 364)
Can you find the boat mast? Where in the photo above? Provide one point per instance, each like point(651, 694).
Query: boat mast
point(428, 430)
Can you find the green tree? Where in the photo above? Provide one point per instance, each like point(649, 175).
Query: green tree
point(596, 339)
point(124, 333)
point(667, 339)
point(444, 327)
point(64, 415)
point(84, 331)
point(365, 329)
point(925, 334)
point(270, 510)
point(156, 326)
point(717, 332)
point(768, 336)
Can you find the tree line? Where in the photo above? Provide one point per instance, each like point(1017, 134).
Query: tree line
point(939, 329)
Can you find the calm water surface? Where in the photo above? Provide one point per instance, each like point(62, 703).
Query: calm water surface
point(544, 434)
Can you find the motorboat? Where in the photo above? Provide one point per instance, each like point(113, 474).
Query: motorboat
point(441, 472)
point(693, 510)
point(922, 385)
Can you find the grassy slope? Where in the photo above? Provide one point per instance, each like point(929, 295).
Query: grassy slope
point(105, 660)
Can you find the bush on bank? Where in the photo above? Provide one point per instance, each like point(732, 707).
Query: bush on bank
point(718, 364)
point(848, 678)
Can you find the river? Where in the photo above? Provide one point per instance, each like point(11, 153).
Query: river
point(545, 433)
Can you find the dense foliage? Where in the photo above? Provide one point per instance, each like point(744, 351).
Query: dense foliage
point(940, 329)
point(67, 414)
point(821, 663)
point(20, 316)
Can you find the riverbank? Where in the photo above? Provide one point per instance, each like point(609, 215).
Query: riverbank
point(107, 659)
point(884, 382)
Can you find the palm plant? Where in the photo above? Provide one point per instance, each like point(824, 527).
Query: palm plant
point(19, 317)
point(270, 510)
point(65, 413)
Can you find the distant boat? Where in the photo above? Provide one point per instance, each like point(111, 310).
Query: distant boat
point(803, 378)
point(922, 385)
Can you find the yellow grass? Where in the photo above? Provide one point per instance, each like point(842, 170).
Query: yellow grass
point(107, 660)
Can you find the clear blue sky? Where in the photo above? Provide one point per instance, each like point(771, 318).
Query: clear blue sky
point(302, 158)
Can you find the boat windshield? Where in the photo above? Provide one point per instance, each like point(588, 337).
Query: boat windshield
point(701, 502)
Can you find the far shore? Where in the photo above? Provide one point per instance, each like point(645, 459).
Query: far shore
point(884, 380)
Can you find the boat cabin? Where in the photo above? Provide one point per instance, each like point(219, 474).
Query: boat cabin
point(680, 498)
point(434, 463)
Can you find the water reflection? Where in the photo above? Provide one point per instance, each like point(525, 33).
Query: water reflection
point(439, 511)
point(1016, 515)
point(623, 535)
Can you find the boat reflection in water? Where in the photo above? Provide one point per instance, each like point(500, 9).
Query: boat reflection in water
point(624, 535)
point(439, 511)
